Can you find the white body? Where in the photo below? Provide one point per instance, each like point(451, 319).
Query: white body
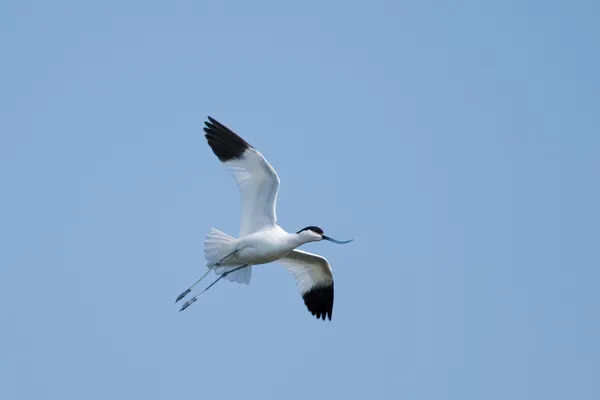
point(224, 252)
point(263, 247)
point(261, 240)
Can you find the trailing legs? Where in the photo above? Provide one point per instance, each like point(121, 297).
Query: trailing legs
point(193, 299)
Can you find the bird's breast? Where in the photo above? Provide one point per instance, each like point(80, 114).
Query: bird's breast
point(264, 252)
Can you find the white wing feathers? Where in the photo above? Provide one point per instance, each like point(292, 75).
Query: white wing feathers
point(256, 179)
point(314, 280)
point(258, 184)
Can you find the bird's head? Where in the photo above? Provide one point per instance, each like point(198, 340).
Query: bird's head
point(314, 234)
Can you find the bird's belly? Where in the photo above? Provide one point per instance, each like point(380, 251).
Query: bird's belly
point(253, 256)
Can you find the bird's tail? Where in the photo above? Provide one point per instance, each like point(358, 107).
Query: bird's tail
point(218, 246)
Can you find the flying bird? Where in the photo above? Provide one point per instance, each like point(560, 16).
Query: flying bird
point(261, 240)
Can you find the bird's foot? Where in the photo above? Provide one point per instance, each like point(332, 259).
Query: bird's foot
point(188, 303)
point(182, 295)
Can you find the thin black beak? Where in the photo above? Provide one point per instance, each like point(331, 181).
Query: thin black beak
point(336, 241)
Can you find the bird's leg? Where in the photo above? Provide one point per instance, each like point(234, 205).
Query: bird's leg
point(225, 258)
point(188, 290)
point(193, 299)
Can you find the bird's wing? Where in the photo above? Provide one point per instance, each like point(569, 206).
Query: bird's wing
point(256, 179)
point(314, 280)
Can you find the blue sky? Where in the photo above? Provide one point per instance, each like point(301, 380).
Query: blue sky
point(456, 142)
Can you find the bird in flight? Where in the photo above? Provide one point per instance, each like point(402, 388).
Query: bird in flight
point(261, 240)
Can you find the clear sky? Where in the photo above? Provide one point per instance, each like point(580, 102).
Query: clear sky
point(457, 142)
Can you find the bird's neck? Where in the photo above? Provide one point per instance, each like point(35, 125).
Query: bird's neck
point(298, 240)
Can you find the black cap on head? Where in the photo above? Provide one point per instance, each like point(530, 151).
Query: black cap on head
point(319, 231)
point(312, 228)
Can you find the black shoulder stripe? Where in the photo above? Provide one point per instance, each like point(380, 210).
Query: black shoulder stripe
point(319, 301)
point(223, 141)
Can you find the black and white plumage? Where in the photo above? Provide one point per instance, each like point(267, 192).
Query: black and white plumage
point(314, 281)
point(256, 179)
point(261, 240)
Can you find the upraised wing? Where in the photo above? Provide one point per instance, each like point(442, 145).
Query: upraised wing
point(256, 179)
point(314, 280)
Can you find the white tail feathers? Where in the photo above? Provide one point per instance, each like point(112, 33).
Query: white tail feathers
point(216, 247)
point(241, 276)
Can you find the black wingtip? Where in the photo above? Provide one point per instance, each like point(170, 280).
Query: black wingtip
point(223, 141)
point(319, 301)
